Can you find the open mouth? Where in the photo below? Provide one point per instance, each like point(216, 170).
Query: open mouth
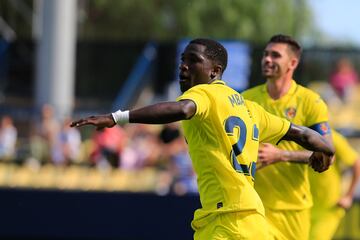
point(182, 78)
point(267, 68)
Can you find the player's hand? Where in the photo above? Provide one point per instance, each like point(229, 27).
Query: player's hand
point(268, 154)
point(100, 121)
point(345, 202)
point(320, 161)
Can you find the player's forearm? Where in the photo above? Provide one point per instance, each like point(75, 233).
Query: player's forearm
point(309, 139)
point(354, 179)
point(296, 156)
point(161, 113)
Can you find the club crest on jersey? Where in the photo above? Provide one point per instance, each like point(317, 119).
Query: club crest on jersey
point(290, 112)
point(324, 127)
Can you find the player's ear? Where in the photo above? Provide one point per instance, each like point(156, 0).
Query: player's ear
point(216, 72)
point(294, 63)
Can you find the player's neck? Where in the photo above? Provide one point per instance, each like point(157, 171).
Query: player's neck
point(278, 88)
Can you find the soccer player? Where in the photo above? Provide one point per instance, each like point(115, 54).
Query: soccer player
point(329, 202)
point(223, 132)
point(284, 187)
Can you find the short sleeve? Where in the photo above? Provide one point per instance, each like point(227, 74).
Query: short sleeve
point(272, 128)
point(200, 98)
point(317, 115)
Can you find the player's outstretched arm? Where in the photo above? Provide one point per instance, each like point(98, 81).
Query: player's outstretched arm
point(323, 149)
point(160, 113)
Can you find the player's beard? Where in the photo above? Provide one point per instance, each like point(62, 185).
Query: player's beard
point(184, 85)
point(272, 71)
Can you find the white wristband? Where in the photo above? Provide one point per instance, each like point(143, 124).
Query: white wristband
point(121, 117)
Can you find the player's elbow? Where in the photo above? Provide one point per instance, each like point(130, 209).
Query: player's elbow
point(188, 109)
point(316, 139)
point(309, 139)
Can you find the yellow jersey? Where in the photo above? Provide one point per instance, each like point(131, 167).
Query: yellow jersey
point(285, 186)
point(326, 187)
point(223, 138)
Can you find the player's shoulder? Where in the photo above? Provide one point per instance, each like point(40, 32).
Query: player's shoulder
point(197, 89)
point(253, 106)
point(209, 87)
point(208, 91)
point(193, 92)
point(307, 93)
point(251, 103)
point(253, 92)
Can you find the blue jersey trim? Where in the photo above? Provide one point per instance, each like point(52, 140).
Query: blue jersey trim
point(323, 128)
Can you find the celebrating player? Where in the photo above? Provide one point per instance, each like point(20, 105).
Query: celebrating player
point(284, 187)
point(223, 132)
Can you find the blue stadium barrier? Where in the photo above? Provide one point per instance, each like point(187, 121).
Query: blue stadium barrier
point(40, 214)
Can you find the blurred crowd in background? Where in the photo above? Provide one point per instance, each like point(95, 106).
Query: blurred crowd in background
point(62, 60)
point(43, 151)
point(135, 147)
point(131, 148)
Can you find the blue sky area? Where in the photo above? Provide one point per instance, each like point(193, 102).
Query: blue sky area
point(338, 19)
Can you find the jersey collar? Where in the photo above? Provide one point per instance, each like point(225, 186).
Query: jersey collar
point(218, 81)
point(289, 93)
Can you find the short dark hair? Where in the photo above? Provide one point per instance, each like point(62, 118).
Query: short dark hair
point(214, 51)
point(291, 42)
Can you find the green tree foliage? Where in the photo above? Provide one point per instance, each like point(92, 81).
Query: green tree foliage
point(17, 15)
point(253, 20)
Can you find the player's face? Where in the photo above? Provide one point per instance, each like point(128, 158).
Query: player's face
point(277, 61)
point(195, 67)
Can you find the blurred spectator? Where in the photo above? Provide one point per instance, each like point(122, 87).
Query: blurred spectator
point(67, 145)
point(8, 138)
point(108, 143)
point(44, 134)
point(344, 78)
point(175, 148)
point(142, 148)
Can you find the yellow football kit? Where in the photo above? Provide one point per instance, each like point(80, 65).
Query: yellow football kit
point(285, 186)
point(326, 191)
point(223, 138)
